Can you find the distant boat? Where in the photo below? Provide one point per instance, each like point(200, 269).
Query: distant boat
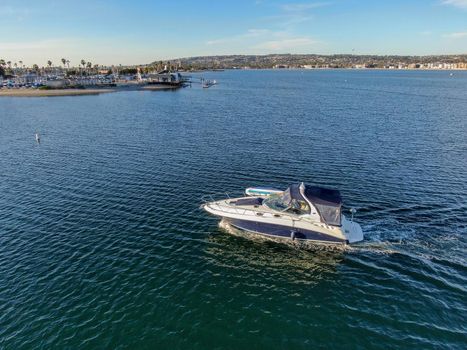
point(37, 137)
point(208, 83)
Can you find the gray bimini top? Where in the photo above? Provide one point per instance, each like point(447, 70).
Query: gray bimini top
point(328, 202)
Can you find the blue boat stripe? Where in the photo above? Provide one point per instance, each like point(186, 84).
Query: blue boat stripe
point(283, 231)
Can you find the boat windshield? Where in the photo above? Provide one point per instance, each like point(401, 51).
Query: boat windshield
point(276, 202)
point(284, 202)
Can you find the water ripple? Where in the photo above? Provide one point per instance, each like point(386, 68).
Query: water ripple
point(103, 244)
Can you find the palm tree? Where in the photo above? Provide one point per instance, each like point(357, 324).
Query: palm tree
point(9, 67)
point(68, 63)
point(88, 68)
point(83, 63)
point(63, 62)
point(35, 68)
point(2, 67)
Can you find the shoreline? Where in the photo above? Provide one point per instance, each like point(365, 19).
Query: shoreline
point(54, 92)
point(159, 87)
point(77, 92)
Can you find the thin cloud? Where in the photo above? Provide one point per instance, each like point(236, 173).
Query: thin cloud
point(15, 13)
point(457, 3)
point(257, 32)
point(37, 51)
point(266, 40)
point(218, 41)
point(457, 35)
point(286, 44)
point(32, 45)
point(285, 23)
point(293, 14)
point(251, 33)
point(303, 6)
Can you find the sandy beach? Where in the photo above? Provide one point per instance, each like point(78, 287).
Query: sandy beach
point(76, 92)
point(57, 92)
point(160, 87)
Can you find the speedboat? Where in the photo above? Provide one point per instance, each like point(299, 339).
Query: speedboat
point(301, 213)
point(208, 83)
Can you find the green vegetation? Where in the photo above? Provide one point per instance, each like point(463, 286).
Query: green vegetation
point(125, 71)
point(3, 70)
point(72, 72)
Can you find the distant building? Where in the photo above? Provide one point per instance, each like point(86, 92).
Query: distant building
point(56, 84)
point(29, 78)
point(165, 77)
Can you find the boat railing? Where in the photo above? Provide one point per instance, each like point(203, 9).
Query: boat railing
point(214, 197)
point(215, 200)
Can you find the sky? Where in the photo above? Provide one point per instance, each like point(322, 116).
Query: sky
point(143, 31)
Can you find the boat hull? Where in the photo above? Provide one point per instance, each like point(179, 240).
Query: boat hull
point(284, 232)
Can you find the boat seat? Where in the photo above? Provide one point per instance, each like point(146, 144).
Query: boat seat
point(248, 201)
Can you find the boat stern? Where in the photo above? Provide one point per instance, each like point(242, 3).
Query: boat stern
point(352, 231)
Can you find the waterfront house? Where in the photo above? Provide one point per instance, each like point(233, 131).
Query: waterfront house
point(165, 77)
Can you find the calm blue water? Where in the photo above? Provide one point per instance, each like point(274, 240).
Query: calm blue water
point(102, 243)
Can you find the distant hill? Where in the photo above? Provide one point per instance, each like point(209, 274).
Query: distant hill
point(298, 60)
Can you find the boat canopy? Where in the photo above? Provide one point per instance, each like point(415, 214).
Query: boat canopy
point(327, 202)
